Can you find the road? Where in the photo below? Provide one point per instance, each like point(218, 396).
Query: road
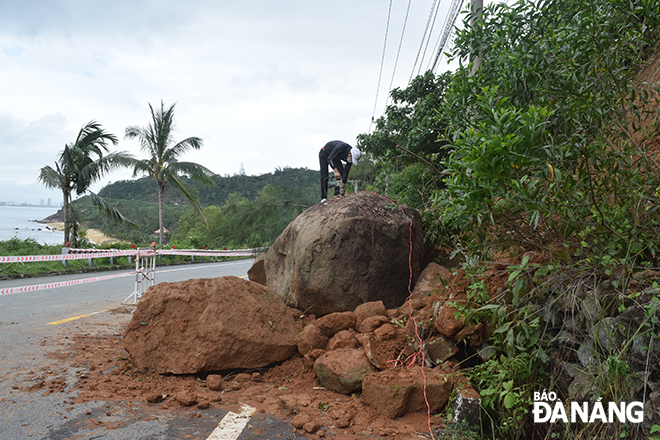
point(33, 324)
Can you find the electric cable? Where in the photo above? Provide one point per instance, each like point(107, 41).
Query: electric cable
point(382, 61)
point(447, 29)
point(435, 16)
point(398, 52)
point(419, 51)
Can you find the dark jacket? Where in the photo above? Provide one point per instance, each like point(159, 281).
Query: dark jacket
point(337, 150)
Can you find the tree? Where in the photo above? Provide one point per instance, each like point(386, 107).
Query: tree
point(78, 166)
point(163, 164)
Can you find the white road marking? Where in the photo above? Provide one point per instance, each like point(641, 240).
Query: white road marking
point(232, 424)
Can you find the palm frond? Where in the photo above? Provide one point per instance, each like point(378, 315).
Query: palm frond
point(185, 190)
point(194, 171)
point(105, 208)
point(51, 178)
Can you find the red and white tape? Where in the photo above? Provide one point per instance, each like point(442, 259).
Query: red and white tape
point(82, 254)
point(21, 289)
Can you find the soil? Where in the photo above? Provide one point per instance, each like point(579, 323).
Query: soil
point(288, 390)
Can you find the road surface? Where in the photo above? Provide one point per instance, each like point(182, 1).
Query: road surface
point(32, 324)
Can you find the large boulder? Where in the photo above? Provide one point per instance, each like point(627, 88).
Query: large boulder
point(209, 325)
point(356, 249)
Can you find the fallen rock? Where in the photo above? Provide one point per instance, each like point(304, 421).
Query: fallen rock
point(447, 323)
point(186, 398)
point(257, 272)
point(372, 323)
point(439, 349)
point(335, 322)
point(342, 371)
point(369, 309)
point(312, 337)
point(432, 279)
point(209, 325)
point(343, 339)
point(214, 382)
point(334, 257)
point(399, 391)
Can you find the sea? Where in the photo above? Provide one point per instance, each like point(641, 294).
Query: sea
point(21, 222)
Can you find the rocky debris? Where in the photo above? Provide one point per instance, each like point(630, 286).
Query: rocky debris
point(432, 280)
point(214, 382)
point(335, 322)
point(209, 325)
point(369, 309)
point(257, 272)
point(439, 349)
point(334, 257)
point(395, 392)
point(342, 370)
point(311, 337)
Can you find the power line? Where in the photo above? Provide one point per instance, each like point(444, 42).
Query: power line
point(434, 6)
point(382, 61)
point(396, 61)
point(447, 28)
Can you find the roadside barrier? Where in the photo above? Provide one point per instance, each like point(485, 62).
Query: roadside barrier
point(145, 265)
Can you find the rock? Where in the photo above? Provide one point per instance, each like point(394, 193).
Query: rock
point(467, 406)
point(186, 398)
point(311, 338)
point(312, 426)
point(343, 339)
point(585, 353)
point(471, 334)
point(439, 349)
point(372, 323)
point(214, 382)
point(369, 309)
point(334, 257)
point(395, 392)
point(342, 371)
point(385, 332)
point(446, 323)
point(431, 279)
point(257, 272)
point(155, 397)
point(209, 325)
point(335, 322)
point(300, 420)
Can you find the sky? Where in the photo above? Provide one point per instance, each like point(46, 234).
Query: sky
point(264, 83)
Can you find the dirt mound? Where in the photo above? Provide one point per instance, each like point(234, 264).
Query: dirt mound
point(334, 257)
point(209, 324)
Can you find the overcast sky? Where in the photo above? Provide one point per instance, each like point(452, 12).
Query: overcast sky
point(264, 83)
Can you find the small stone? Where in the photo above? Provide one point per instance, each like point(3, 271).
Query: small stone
point(312, 426)
point(186, 398)
point(299, 420)
point(214, 382)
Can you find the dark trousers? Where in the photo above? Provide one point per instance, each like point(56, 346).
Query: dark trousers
point(323, 163)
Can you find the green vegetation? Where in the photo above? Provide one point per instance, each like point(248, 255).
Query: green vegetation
point(79, 165)
point(547, 148)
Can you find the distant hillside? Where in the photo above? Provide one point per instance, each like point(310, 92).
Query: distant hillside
point(145, 189)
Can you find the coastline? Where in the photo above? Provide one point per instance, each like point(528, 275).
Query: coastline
point(93, 235)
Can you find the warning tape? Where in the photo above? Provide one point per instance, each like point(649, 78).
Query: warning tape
point(33, 288)
point(81, 254)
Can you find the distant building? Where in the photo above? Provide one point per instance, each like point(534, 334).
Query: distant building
point(49, 201)
point(42, 202)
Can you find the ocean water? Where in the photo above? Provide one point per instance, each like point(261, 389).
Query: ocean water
point(20, 222)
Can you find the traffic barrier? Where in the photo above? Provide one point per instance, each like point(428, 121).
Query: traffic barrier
point(144, 276)
point(33, 288)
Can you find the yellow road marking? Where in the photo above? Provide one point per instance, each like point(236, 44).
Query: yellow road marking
point(62, 321)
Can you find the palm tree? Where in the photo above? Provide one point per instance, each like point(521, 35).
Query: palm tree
point(78, 166)
point(163, 166)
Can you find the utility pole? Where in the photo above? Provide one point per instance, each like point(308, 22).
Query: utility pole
point(477, 8)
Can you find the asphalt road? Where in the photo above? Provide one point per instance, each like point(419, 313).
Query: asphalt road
point(32, 324)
